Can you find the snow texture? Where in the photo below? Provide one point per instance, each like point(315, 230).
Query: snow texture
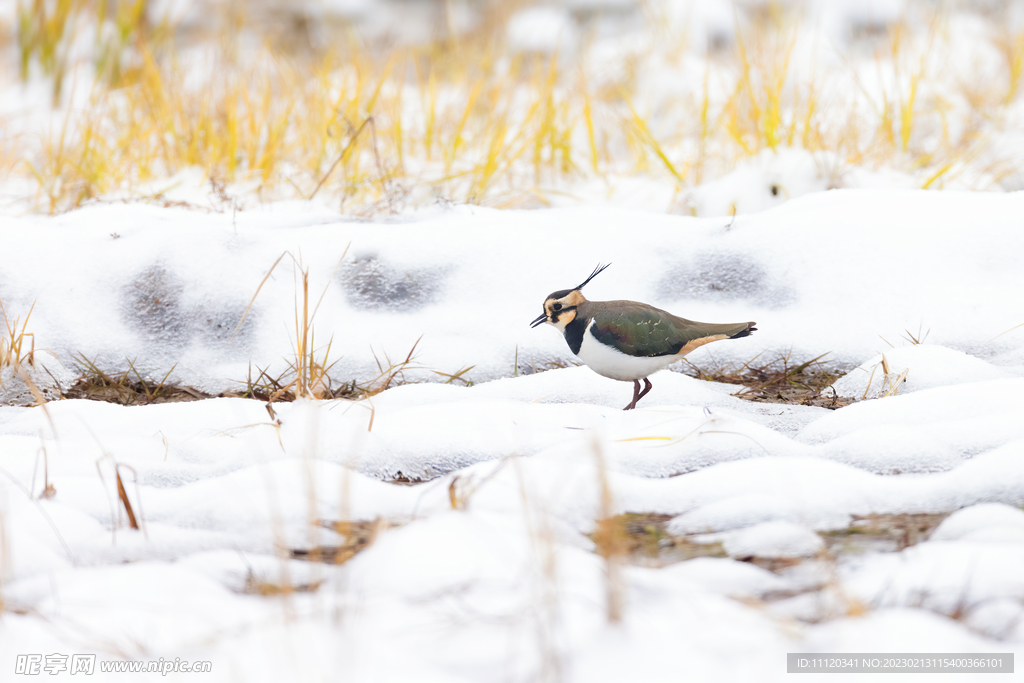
point(927, 366)
point(486, 568)
point(773, 540)
point(222, 489)
point(169, 286)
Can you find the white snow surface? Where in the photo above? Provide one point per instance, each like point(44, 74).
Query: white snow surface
point(828, 273)
point(486, 571)
point(926, 365)
point(988, 521)
point(773, 540)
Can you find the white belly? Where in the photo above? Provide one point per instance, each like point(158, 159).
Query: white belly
point(609, 362)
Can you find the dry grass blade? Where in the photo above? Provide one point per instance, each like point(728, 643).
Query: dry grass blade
point(96, 385)
point(123, 496)
point(258, 586)
point(462, 488)
point(309, 375)
point(871, 378)
point(611, 541)
point(89, 365)
point(393, 371)
point(253, 300)
point(778, 381)
point(36, 394)
point(353, 138)
point(479, 116)
point(49, 491)
point(156, 392)
point(145, 387)
point(458, 375)
point(122, 493)
point(647, 136)
point(917, 339)
point(1006, 332)
point(359, 535)
point(895, 383)
point(453, 496)
point(12, 344)
point(263, 387)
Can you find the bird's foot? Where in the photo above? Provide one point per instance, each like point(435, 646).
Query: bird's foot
point(637, 394)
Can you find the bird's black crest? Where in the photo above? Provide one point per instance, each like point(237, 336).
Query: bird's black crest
point(593, 275)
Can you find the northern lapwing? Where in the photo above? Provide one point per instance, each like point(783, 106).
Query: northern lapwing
point(626, 340)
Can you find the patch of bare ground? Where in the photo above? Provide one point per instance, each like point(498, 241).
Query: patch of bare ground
point(94, 384)
point(885, 533)
point(256, 585)
point(359, 535)
point(647, 542)
point(781, 380)
point(401, 479)
point(129, 387)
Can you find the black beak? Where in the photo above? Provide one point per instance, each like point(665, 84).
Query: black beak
point(543, 317)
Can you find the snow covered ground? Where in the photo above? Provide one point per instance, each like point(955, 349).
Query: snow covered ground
point(486, 571)
point(465, 523)
point(847, 273)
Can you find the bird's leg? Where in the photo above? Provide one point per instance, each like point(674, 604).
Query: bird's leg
point(636, 395)
point(647, 387)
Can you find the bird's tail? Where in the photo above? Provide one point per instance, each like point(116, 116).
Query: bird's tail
point(741, 330)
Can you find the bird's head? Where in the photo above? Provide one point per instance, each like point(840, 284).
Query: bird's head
point(560, 307)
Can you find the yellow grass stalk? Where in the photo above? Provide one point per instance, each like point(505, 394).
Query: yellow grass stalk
point(1012, 48)
point(457, 142)
point(13, 352)
point(588, 117)
point(473, 125)
point(645, 134)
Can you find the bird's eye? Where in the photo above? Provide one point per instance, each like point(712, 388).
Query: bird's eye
point(557, 307)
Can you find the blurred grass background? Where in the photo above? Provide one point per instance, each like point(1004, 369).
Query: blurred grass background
point(381, 106)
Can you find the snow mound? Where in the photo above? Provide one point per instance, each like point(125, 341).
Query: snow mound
point(423, 431)
point(983, 522)
point(927, 366)
point(916, 630)
point(222, 489)
point(774, 177)
point(767, 180)
point(772, 540)
point(928, 430)
point(728, 576)
point(819, 494)
point(971, 578)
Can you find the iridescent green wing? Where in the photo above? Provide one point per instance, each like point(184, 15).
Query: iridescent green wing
point(641, 330)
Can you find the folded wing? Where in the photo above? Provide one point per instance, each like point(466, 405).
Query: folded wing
point(641, 330)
